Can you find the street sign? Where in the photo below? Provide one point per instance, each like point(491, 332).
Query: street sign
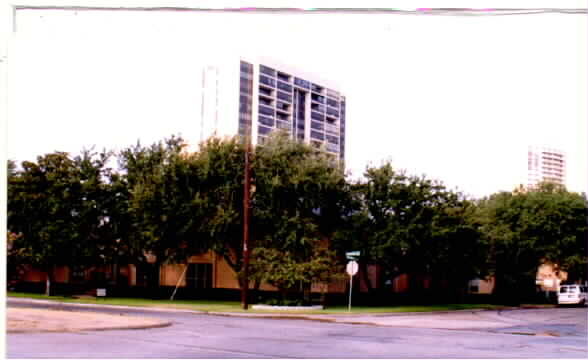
point(352, 268)
point(352, 255)
point(100, 292)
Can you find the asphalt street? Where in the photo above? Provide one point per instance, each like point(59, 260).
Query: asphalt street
point(542, 333)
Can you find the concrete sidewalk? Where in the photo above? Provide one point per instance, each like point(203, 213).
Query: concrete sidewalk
point(20, 320)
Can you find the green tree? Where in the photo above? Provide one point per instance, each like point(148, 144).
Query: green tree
point(220, 167)
point(166, 202)
point(410, 224)
point(60, 208)
point(289, 274)
point(42, 207)
point(523, 229)
point(296, 209)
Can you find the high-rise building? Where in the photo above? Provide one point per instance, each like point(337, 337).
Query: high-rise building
point(253, 97)
point(545, 164)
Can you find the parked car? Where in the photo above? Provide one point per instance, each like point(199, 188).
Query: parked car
point(572, 295)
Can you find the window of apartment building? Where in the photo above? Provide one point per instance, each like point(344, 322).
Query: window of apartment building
point(245, 107)
point(317, 125)
point(265, 91)
point(333, 103)
point(332, 147)
point(199, 276)
point(317, 107)
point(267, 81)
point(245, 118)
point(284, 96)
point(333, 139)
point(266, 121)
point(302, 83)
point(284, 87)
point(317, 116)
point(317, 135)
point(332, 93)
point(317, 98)
point(263, 130)
point(283, 125)
point(265, 101)
point(245, 87)
point(283, 106)
point(316, 88)
point(282, 116)
point(266, 110)
point(267, 70)
point(332, 128)
point(332, 112)
point(283, 76)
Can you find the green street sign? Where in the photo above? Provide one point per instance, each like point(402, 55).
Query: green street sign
point(352, 255)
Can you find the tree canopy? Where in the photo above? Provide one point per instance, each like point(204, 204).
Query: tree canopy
point(166, 202)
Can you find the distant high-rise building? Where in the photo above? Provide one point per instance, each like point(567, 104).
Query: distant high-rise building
point(255, 97)
point(546, 164)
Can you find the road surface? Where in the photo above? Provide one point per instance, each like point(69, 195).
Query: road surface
point(541, 333)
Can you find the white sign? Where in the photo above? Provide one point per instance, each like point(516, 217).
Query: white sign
point(352, 268)
point(100, 292)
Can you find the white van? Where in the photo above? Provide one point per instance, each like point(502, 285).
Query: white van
point(572, 294)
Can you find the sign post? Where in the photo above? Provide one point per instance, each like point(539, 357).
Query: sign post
point(351, 269)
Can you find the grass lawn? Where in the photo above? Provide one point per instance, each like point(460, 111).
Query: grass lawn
point(235, 306)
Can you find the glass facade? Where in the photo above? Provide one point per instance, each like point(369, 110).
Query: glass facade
point(299, 114)
point(245, 98)
point(310, 112)
point(342, 130)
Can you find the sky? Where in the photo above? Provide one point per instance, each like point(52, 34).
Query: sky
point(458, 99)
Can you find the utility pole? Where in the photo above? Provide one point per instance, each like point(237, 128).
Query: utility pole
point(246, 195)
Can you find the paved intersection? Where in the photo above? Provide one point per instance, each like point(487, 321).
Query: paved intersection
point(545, 333)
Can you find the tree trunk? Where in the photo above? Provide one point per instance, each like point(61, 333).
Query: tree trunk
point(48, 282)
point(365, 277)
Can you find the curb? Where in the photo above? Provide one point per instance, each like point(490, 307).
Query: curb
point(131, 327)
point(159, 324)
point(317, 317)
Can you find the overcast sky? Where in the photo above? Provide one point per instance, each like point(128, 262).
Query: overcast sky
point(456, 98)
